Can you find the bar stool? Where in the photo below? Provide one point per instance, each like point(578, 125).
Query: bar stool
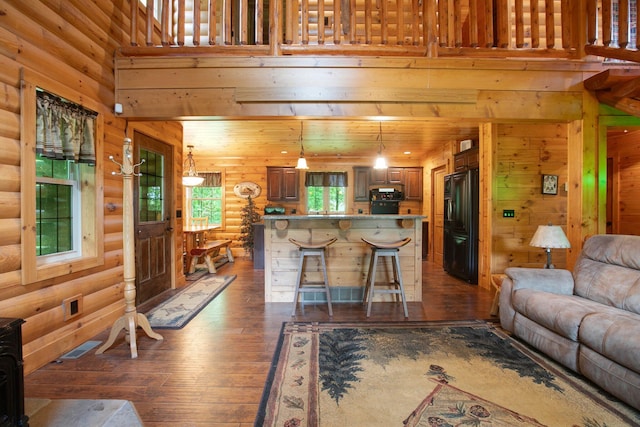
point(312, 249)
point(385, 249)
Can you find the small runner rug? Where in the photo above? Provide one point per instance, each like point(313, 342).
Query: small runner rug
point(177, 311)
point(425, 374)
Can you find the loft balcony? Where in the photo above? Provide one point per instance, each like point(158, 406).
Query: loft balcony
point(542, 29)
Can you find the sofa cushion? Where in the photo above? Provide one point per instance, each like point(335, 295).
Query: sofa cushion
point(617, 380)
point(553, 345)
point(561, 314)
point(615, 334)
point(608, 271)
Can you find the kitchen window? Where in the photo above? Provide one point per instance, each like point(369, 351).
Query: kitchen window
point(206, 200)
point(326, 192)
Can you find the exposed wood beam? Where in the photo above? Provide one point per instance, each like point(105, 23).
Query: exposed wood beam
point(307, 94)
point(612, 52)
point(627, 105)
point(608, 78)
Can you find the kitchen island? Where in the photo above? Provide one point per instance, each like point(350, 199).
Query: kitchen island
point(347, 259)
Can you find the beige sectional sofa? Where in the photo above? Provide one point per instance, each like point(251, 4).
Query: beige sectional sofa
point(588, 320)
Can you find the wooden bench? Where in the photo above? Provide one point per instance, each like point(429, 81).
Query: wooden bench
point(209, 253)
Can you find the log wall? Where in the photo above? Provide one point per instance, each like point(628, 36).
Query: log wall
point(74, 45)
point(624, 152)
point(255, 170)
point(524, 153)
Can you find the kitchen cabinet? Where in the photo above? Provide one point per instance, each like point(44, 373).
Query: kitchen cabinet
point(282, 184)
point(413, 183)
point(391, 175)
point(361, 176)
point(467, 159)
point(364, 177)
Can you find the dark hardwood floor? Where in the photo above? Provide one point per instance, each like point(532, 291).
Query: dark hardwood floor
point(212, 372)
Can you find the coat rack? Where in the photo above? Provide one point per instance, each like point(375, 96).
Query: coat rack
point(131, 318)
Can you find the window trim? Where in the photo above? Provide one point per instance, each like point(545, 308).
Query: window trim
point(76, 213)
point(34, 268)
point(188, 197)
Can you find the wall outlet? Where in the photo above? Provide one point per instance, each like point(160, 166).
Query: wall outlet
point(508, 213)
point(72, 307)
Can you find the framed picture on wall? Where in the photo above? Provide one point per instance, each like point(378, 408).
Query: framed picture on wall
point(549, 184)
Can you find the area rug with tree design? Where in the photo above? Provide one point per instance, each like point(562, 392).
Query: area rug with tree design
point(425, 374)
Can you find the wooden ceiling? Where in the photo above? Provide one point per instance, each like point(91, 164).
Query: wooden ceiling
point(323, 138)
point(618, 88)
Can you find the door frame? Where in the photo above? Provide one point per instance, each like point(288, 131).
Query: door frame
point(176, 152)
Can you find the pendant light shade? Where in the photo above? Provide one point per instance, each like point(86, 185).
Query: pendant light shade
point(381, 162)
point(302, 162)
point(190, 176)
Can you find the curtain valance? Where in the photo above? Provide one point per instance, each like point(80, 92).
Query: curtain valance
point(325, 179)
point(211, 179)
point(64, 130)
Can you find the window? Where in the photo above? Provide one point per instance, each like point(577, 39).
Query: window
point(206, 199)
point(62, 215)
point(151, 197)
point(157, 7)
point(326, 192)
point(57, 207)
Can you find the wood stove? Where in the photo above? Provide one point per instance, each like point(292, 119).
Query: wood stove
point(11, 374)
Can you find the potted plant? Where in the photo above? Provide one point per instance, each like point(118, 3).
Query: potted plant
point(249, 216)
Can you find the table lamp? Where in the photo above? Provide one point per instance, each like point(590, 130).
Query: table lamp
point(549, 237)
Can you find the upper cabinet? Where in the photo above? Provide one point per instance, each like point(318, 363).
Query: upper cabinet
point(282, 184)
point(364, 177)
point(467, 159)
point(413, 183)
point(361, 178)
point(390, 175)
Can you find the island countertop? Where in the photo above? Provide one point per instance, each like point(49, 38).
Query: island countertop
point(347, 259)
point(342, 216)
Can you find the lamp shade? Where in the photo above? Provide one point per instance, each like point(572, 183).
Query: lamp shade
point(550, 236)
point(381, 163)
point(302, 163)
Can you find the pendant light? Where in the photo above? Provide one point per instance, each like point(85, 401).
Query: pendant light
point(190, 176)
point(302, 162)
point(381, 162)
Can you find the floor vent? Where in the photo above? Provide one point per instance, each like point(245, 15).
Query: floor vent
point(80, 350)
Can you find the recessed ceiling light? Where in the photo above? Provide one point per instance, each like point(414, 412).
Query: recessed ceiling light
point(407, 152)
point(283, 152)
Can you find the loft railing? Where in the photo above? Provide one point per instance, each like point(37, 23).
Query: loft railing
point(476, 28)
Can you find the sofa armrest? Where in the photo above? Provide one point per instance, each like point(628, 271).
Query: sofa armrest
point(548, 280)
point(556, 281)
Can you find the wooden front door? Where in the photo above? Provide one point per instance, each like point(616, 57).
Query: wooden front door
point(152, 224)
point(437, 203)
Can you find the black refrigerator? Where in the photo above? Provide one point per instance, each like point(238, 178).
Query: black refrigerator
point(461, 223)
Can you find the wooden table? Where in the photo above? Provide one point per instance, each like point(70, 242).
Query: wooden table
point(496, 283)
point(194, 236)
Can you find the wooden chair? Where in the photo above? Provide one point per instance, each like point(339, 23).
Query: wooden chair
point(306, 250)
point(391, 250)
point(200, 221)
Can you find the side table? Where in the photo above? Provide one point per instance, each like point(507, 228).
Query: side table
point(496, 283)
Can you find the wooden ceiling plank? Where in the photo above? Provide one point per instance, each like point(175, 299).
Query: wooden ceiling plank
point(610, 77)
point(316, 94)
point(627, 105)
point(629, 88)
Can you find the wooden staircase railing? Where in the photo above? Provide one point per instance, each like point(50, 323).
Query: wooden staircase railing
point(466, 28)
